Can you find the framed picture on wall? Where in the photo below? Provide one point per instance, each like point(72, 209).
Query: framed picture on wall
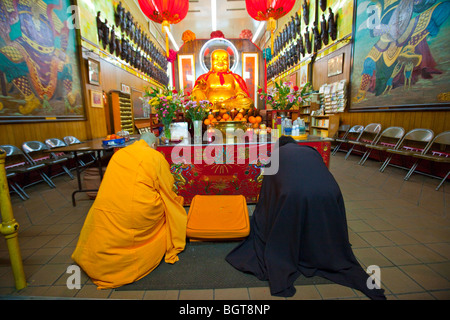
point(400, 64)
point(93, 72)
point(186, 71)
point(96, 98)
point(250, 70)
point(335, 65)
point(304, 74)
point(40, 74)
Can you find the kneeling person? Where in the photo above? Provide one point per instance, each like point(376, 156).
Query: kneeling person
point(135, 221)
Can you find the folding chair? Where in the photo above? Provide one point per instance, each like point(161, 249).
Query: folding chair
point(388, 139)
point(16, 164)
point(438, 151)
point(56, 143)
point(36, 153)
point(91, 155)
point(367, 136)
point(413, 142)
point(341, 133)
point(353, 134)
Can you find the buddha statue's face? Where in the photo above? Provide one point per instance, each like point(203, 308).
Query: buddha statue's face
point(220, 60)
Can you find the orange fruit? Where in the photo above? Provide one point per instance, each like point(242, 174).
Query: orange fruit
point(252, 119)
point(222, 120)
point(226, 116)
point(207, 121)
point(258, 119)
point(239, 116)
point(255, 125)
point(210, 116)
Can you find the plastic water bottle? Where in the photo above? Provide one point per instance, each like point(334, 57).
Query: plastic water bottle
point(302, 129)
point(288, 127)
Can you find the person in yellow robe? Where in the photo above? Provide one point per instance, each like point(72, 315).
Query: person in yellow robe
point(135, 221)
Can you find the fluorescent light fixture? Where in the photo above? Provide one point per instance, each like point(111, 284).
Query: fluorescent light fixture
point(214, 15)
point(171, 38)
point(258, 31)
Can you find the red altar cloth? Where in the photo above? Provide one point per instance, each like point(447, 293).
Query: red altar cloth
point(224, 169)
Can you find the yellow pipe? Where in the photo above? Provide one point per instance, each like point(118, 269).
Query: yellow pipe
point(166, 23)
point(9, 228)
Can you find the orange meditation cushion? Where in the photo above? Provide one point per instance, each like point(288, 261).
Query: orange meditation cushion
point(218, 217)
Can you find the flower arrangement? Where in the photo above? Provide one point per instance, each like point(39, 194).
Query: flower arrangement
point(217, 34)
point(246, 34)
point(172, 55)
point(284, 97)
point(197, 110)
point(187, 36)
point(166, 102)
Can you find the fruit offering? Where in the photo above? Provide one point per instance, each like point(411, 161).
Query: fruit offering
point(113, 137)
point(233, 115)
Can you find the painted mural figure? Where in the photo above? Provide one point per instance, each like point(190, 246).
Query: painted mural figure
point(33, 56)
point(401, 55)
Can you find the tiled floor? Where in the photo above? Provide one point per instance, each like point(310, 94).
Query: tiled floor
point(401, 226)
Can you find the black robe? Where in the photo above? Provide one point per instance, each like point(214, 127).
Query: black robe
point(298, 227)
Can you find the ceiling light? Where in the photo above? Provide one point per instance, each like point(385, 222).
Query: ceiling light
point(214, 15)
point(258, 31)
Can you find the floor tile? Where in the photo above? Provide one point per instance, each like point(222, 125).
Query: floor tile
point(398, 256)
point(262, 293)
point(335, 291)
point(426, 277)
point(306, 293)
point(231, 294)
point(207, 294)
point(127, 295)
point(399, 282)
point(423, 253)
point(162, 295)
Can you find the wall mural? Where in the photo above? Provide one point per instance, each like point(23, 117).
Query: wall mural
point(39, 62)
point(401, 55)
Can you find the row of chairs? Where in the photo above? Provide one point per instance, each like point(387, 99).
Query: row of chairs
point(36, 157)
point(417, 144)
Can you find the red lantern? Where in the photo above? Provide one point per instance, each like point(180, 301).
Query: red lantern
point(166, 12)
point(269, 10)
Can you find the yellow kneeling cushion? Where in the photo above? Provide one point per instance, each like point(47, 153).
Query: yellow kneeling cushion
point(218, 217)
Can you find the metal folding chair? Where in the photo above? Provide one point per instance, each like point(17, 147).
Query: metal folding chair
point(438, 150)
point(17, 164)
point(367, 136)
point(36, 152)
point(389, 138)
point(352, 135)
point(413, 142)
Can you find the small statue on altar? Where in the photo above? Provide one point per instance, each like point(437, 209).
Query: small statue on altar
point(223, 88)
point(305, 12)
point(317, 37)
point(332, 25)
point(324, 29)
point(308, 41)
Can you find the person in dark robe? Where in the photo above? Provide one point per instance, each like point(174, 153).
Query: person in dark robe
point(299, 227)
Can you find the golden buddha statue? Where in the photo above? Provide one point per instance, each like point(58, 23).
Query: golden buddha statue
point(225, 89)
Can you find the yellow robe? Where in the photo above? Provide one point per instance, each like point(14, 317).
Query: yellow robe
point(135, 220)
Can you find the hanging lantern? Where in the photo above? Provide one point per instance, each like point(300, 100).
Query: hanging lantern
point(165, 12)
point(270, 11)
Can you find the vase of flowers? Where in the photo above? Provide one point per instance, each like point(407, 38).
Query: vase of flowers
point(284, 96)
point(166, 102)
point(196, 111)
